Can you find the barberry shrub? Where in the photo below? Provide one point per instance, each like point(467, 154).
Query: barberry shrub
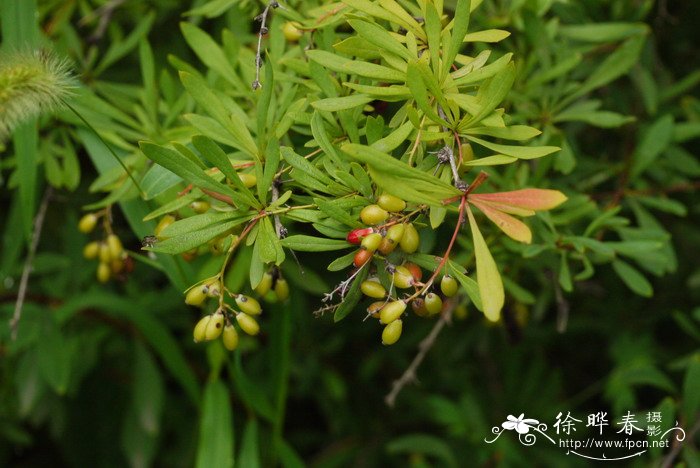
point(514, 167)
point(364, 129)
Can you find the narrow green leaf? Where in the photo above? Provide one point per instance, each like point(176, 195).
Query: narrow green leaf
point(602, 119)
point(343, 65)
point(491, 94)
point(119, 49)
point(263, 107)
point(490, 284)
point(303, 243)
point(303, 165)
point(337, 213)
point(157, 180)
point(212, 152)
point(603, 32)
point(183, 167)
point(395, 139)
point(379, 37)
point(249, 456)
point(615, 65)
point(655, 140)
point(201, 221)
point(521, 152)
point(174, 205)
point(460, 26)
point(352, 297)
point(266, 240)
point(421, 187)
point(691, 383)
point(633, 278)
point(209, 52)
point(320, 133)
point(190, 240)
point(433, 28)
point(215, 446)
point(514, 132)
point(272, 162)
point(212, 104)
point(414, 81)
point(335, 104)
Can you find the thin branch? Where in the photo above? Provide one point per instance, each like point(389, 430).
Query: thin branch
point(563, 307)
point(36, 235)
point(409, 375)
point(262, 17)
point(280, 230)
point(105, 12)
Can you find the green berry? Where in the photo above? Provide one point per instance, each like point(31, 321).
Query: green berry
point(200, 329)
point(403, 278)
point(164, 222)
point(373, 214)
point(264, 285)
point(392, 311)
point(410, 240)
point(105, 253)
point(371, 242)
point(282, 289)
point(433, 303)
point(249, 180)
point(87, 223)
point(373, 288)
point(392, 332)
point(291, 31)
point(248, 324)
point(214, 327)
point(391, 203)
point(230, 337)
point(248, 305)
point(448, 286)
point(196, 296)
point(115, 246)
point(214, 288)
point(200, 206)
point(103, 272)
point(393, 236)
point(91, 250)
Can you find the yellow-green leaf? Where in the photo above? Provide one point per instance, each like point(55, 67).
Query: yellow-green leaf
point(490, 283)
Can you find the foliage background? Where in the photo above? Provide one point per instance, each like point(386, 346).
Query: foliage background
point(108, 376)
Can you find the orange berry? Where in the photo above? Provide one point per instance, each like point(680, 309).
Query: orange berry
point(361, 257)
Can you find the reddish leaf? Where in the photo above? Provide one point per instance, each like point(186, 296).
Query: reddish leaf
point(533, 199)
point(510, 209)
point(513, 227)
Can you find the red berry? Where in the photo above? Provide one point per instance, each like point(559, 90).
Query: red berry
point(415, 270)
point(361, 257)
point(355, 236)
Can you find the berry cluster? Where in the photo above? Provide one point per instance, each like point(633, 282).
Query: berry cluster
point(243, 311)
point(113, 259)
point(392, 269)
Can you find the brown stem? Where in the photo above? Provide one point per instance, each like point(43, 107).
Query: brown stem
point(24, 281)
point(219, 196)
point(409, 375)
